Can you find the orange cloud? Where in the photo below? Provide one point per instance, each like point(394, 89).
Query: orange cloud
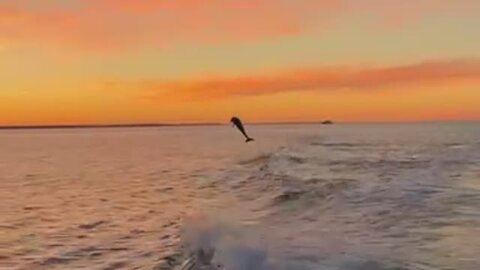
point(318, 79)
point(108, 25)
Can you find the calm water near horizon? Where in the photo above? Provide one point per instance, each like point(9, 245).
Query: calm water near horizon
point(339, 197)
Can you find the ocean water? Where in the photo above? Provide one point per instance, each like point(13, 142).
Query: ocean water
point(339, 197)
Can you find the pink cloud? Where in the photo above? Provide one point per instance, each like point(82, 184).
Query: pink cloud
point(122, 24)
point(108, 25)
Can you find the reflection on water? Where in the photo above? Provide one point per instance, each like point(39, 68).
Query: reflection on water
point(300, 197)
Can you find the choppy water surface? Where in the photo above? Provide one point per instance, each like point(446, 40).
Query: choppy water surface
point(346, 197)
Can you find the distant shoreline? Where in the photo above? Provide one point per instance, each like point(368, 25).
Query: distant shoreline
point(105, 126)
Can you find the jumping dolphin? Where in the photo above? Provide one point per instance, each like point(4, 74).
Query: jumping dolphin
point(238, 123)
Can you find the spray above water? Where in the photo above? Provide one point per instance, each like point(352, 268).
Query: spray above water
point(213, 244)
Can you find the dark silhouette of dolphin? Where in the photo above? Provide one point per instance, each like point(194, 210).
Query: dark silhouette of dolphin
point(238, 123)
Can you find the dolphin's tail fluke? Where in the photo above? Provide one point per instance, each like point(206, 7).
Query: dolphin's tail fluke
point(249, 140)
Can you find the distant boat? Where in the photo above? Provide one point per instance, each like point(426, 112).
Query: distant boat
point(327, 122)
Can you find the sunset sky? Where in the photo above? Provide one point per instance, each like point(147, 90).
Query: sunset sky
point(144, 61)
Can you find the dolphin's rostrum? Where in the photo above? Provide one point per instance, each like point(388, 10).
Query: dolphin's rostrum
point(238, 123)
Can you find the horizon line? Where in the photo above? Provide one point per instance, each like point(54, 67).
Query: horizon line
point(146, 125)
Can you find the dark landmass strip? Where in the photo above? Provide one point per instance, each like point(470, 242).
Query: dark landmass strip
point(107, 126)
